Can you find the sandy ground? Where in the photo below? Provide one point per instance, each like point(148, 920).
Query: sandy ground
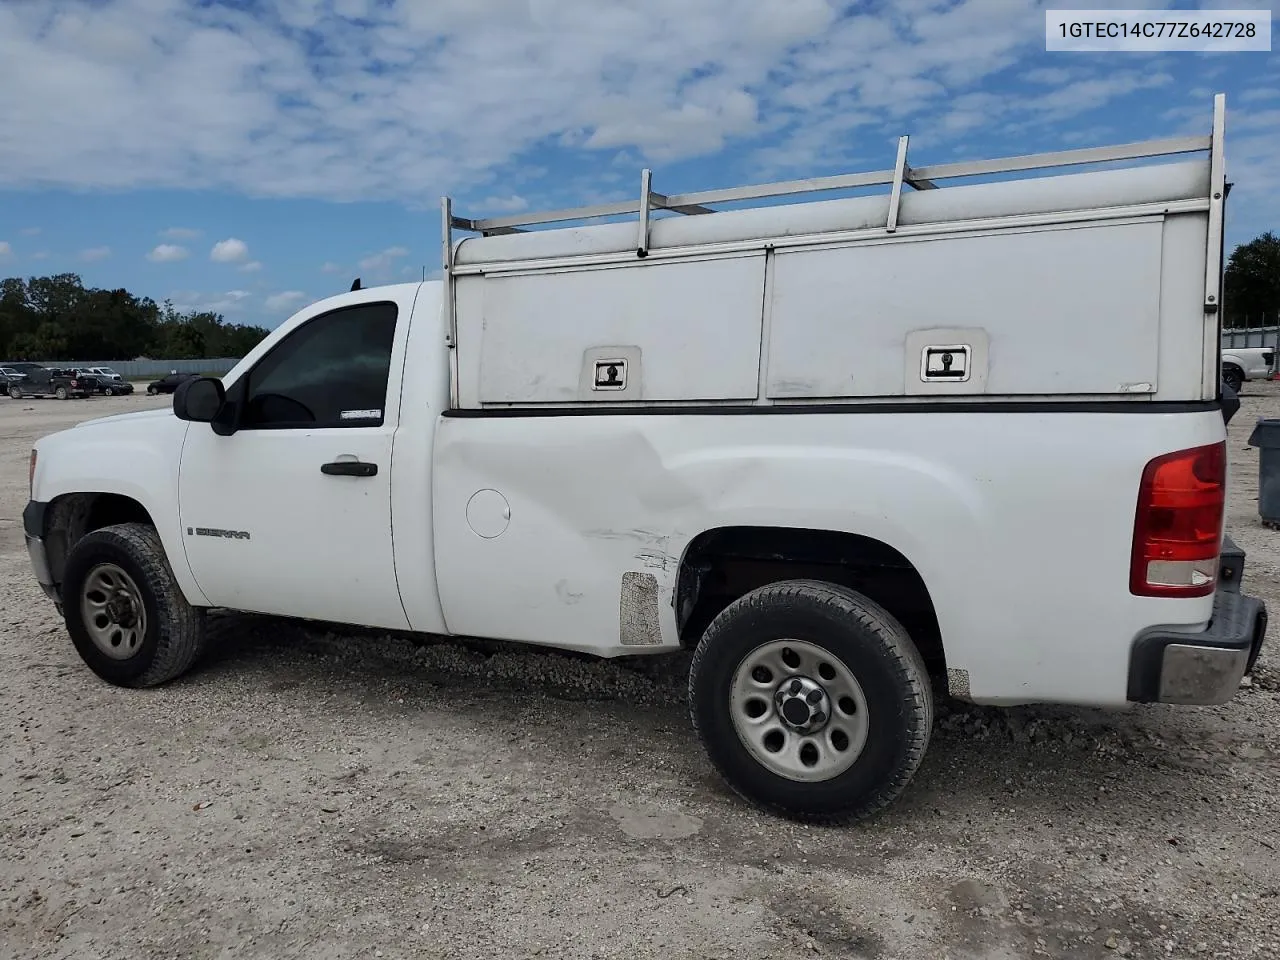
point(316, 794)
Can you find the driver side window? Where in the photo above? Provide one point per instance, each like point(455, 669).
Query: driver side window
point(330, 372)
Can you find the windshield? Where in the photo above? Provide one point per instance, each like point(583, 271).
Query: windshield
point(107, 371)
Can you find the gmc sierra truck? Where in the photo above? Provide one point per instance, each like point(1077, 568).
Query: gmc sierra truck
point(815, 442)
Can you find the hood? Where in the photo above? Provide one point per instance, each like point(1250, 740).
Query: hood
point(155, 414)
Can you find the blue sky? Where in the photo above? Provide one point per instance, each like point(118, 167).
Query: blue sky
point(250, 156)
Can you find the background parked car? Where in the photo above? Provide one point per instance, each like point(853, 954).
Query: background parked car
point(41, 381)
point(110, 382)
point(1240, 364)
point(169, 383)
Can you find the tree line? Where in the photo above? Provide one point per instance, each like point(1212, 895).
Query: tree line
point(1252, 280)
point(58, 318)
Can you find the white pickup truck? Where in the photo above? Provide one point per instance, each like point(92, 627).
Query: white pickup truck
point(852, 452)
point(1240, 364)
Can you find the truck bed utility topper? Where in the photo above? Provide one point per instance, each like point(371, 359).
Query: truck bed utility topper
point(1074, 284)
point(948, 437)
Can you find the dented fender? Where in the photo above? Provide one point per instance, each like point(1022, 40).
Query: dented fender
point(602, 510)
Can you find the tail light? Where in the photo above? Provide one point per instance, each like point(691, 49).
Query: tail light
point(31, 476)
point(74, 384)
point(1177, 535)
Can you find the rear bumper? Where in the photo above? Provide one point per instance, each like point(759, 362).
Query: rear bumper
point(33, 528)
point(1204, 667)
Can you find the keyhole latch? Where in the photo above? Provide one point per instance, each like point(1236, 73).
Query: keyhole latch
point(945, 362)
point(611, 374)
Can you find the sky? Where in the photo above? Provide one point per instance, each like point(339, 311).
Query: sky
point(251, 156)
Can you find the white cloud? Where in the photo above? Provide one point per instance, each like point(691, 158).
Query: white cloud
point(30, 231)
point(40, 255)
point(286, 300)
point(298, 99)
point(180, 233)
point(381, 262)
point(230, 250)
point(93, 254)
point(6, 250)
point(331, 267)
point(229, 302)
point(253, 266)
point(508, 204)
point(167, 253)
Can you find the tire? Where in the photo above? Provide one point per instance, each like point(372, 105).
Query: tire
point(61, 393)
point(171, 637)
point(152, 391)
point(1233, 376)
point(15, 392)
point(840, 635)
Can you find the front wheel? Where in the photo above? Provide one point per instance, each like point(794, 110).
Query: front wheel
point(124, 610)
point(15, 392)
point(151, 391)
point(811, 701)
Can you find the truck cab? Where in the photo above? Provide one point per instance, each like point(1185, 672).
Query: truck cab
point(751, 434)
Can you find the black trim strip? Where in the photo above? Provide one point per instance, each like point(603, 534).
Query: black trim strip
point(33, 518)
point(936, 406)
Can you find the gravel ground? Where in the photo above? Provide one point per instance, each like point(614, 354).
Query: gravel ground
point(314, 793)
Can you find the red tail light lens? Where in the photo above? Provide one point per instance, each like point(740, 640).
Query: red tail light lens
point(74, 384)
point(1177, 535)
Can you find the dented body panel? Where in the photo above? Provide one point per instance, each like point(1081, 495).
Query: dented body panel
point(595, 499)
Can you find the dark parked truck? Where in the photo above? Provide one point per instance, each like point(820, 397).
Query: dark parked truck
point(40, 381)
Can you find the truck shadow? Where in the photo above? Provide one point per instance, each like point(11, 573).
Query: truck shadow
point(1050, 758)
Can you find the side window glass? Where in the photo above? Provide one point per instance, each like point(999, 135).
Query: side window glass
point(330, 372)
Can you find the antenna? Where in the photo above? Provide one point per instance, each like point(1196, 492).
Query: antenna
point(355, 284)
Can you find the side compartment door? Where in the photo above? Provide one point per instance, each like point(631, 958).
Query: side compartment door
point(291, 514)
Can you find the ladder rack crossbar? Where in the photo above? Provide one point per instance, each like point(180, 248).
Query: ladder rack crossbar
point(920, 178)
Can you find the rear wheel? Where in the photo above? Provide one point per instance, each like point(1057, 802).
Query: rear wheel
point(151, 391)
point(811, 701)
point(61, 393)
point(124, 610)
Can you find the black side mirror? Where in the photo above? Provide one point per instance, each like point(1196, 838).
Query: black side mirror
point(1230, 402)
point(199, 399)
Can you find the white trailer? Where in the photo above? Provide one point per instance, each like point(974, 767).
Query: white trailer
point(945, 438)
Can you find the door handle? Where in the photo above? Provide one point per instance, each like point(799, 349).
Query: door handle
point(349, 468)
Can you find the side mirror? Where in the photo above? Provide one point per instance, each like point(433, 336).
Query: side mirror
point(199, 399)
point(1230, 402)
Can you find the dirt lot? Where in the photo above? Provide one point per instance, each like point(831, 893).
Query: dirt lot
point(312, 794)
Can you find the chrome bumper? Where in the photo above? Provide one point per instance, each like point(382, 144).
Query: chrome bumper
point(1205, 667)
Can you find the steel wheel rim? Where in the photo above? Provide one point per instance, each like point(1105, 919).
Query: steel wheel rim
point(763, 712)
point(113, 612)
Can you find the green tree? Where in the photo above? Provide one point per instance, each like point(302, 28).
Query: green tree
point(1252, 281)
point(58, 318)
